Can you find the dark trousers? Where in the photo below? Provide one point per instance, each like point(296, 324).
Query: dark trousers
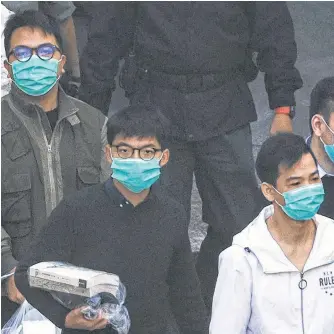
point(225, 178)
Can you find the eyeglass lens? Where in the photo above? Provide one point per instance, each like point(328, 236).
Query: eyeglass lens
point(24, 53)
point(146, 153)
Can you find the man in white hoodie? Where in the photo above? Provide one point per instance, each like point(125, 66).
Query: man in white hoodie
point(278, 275)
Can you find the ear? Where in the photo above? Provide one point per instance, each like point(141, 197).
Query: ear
point(165, 158)
point(107, 152)
point(9, 69)
point(61, 66)
point(268, 192)
point(317, 125)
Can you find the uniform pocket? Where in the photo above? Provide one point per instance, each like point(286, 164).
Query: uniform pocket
point(88, 176)
point(16, 205)
point(13, 140)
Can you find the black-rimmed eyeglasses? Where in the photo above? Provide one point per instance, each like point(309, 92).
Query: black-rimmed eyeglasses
point(145, 153)
point(23, 53)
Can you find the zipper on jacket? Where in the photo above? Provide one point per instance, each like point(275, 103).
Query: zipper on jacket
point(51, 177)
point(302, 285)
point(53, 195)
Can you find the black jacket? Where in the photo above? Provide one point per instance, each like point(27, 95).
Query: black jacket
point(147, 246)
point(192, 37)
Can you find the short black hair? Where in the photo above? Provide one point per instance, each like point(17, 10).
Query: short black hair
point(322, 99)
point(280, 150)
point(138, 121)
point(32, 19)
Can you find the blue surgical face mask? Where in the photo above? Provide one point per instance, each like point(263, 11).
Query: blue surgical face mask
point(329, 148)
point(304, 202)
point(136, 174)
point(35, 77)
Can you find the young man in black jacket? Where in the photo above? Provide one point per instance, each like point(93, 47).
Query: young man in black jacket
point(128, 226)
point(193, 60)
point(321, 140)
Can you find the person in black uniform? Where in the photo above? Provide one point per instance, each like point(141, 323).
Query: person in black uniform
point(128, 226)
point(192, 62)
point(321, 139)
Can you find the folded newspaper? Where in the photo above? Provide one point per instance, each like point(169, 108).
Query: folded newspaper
point(64, 277)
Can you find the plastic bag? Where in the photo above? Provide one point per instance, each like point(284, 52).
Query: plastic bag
point(74, 287)
point(27, 320)
point(105, 304)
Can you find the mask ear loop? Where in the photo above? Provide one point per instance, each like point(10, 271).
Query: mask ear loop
point(276, 191)
point(162, 154)
point(60, 75)
point(332, 132)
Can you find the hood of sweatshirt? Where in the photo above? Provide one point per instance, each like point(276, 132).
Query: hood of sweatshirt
point(256, 238)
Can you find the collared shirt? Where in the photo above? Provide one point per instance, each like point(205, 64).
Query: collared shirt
point(146, 245)
point(118, 199)
point(322, 172)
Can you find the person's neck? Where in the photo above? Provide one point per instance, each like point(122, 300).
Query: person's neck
point(48, 102)
point(288, 231)
point(133, 198)
point(318, 149)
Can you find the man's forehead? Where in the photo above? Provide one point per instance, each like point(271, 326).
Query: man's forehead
point(302, 168)
point(31, 36)
point(136, 140)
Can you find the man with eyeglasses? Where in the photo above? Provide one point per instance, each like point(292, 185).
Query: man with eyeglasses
point(128, 226)
point(52, 144)
point(321, 140)
point(61, 12)
point(192, 60)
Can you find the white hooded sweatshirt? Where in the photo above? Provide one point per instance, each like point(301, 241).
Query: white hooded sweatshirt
point(260, 291)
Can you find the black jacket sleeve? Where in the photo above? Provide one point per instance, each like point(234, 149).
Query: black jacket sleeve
point(53, 244)
point(185, 295)
point(109, 38)
point(274, 40)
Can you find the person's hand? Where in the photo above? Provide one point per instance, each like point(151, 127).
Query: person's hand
point(13, 293)
point(76, 320)
point(281, 123)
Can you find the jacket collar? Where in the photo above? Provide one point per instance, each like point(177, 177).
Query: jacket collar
point(322, 172)
point(258, 239)
point(119, 200)
point(21, 101)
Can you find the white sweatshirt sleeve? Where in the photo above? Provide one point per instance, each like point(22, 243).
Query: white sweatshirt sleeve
point(231, 306)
